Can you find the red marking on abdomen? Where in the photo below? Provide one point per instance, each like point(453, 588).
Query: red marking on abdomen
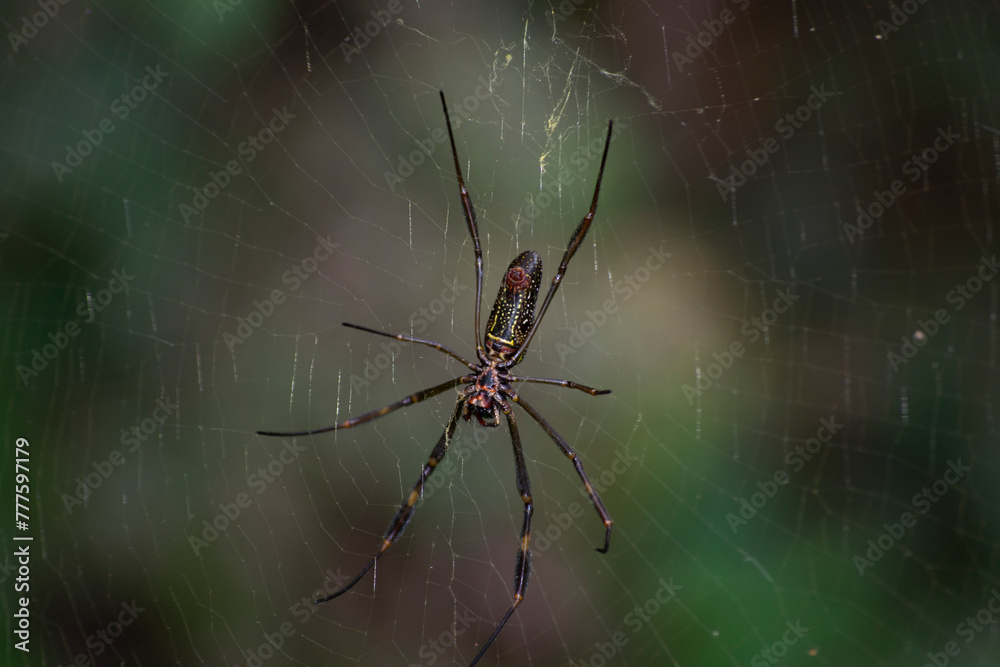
point(517, 278)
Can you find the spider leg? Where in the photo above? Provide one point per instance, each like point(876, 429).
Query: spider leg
point(374, 414)
point(595, 499)
point(574, 243)
point(406, 509)
point(560, 383)
point(522, 566)
point(411, 339)
point(470, 219)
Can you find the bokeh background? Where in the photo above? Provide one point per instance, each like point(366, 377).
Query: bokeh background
point(194, 356)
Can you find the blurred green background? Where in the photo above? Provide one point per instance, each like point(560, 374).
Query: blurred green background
point(327, 117)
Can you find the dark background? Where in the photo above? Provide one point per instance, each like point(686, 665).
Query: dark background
point(548, 78)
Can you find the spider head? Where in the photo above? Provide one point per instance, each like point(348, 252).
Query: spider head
point(486, 415)
point(514, 310)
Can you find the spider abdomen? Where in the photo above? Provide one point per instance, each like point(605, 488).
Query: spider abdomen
point(514, 310)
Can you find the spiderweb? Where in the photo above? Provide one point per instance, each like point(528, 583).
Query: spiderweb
point(789, 287)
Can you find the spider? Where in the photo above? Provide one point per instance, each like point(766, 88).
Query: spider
point(488, 388)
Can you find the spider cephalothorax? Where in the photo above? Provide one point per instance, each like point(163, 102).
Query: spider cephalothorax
point(486, 396)
point(488, 392)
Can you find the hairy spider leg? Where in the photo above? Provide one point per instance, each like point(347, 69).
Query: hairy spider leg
point(568, 451)
point(410, 339)
point(375, 414)
point(560, 383)
point(574, 243)
point(522, 565)
point(405, 512)
point(470, 220)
